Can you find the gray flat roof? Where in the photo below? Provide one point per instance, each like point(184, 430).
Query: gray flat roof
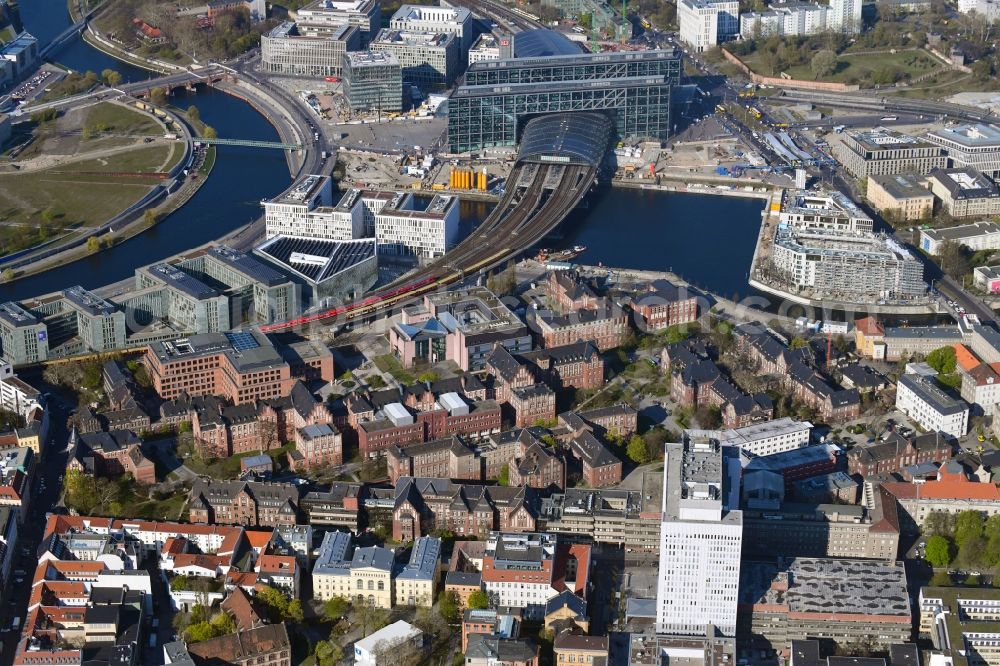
point(929, 391)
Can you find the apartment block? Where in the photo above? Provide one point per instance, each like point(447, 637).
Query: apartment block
point(965, 192)
point(403, 227)
point(834, 211)
point(250, 503)
point(925, 401)
point(707, 23)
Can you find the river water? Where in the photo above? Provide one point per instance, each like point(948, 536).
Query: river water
point(228, 200)
point(708, 240)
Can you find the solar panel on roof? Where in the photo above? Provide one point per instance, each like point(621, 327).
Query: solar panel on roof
point(242, 340)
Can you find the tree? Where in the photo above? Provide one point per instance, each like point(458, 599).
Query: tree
point(503, 478)
point(943, 360)
point(798, 342)
point(158, 96)
point(150, 217)
point(335, 608)
point(939, 523)
point(111, 78)
point(448, 606)
point(970, 552)
point(954, 260)
point(328, 653)
point(824, 63)
point(968, 525)
point(210, 133)
point(637, 451)
point(274, 601)
point(295, 613)
point(479, 600)
point(49, 215)
point(193, 114)
point(428, 376)
point(200, 631)
point(93, 244)
point(939, 551)
point(8, 274)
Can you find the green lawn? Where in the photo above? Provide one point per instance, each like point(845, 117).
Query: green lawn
point(118, 119)
point(859, 69)
point(148, 159)
point(389, 363)
point(229, 468)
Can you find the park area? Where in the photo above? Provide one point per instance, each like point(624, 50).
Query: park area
point(866, 69)
point(78, 170)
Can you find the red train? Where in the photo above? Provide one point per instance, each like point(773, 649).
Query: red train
point(344, 309)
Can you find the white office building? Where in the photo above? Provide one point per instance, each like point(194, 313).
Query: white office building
point(428, 59)
point(307, 212)
point(706, 23)
point(457, 21)
point(976, 146)
point(403, 228)
point(924, 401)
point(16, 395)
point(803, 209)
point(285, 51)
point(767, 438)
point(486, 47)
point(701, 534)
point(284, 214)
point(324, 18)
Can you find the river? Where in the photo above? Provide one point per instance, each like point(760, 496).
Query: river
point(229, 199)
point(708, 240)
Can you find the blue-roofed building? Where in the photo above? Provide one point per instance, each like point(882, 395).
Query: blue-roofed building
point(371, 576)
point(416, 581)
point(331, 574)
point(260, 466)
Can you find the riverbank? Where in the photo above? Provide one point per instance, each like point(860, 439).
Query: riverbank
point(162, 201)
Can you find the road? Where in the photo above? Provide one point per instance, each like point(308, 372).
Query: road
point(46, 490)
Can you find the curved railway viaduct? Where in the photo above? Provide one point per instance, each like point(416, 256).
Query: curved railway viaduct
point(557, 163)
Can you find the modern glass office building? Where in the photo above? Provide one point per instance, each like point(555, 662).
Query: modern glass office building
point(499, 96)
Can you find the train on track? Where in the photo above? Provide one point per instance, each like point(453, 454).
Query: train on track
point(386, 299)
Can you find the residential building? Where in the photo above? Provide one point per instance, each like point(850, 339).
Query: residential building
point(538, 466)
point(785, 19)
point(374, 650)
point(844, 16)
point(284, 51)
point(430, 60)
point(499, 95)
point(242, 366)
point(267, 644)
point(461, 326)
point(417, 507)
point(951, 492)
point(606, 326)
point(416, 583)
point(927, 403)
point(532, 404)
point(17, 395)
point(248, 503)
point(111, 454)
point(339, 507)
point(849, 266)
point(608, 516)
point(965, 192)
point(903, 197)
point(962, 623)
point(707, 23)
point(664, 305)
point(838, 600)
point(896, 452)
point(526, 570)
point(701, 536)
point(833, 211)
point(373, 81)
point(882, 152)
point(323, 18)
point(571, 648)
point(974, 146)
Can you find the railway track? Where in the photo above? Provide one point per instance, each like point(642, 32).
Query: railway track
point(522, 218)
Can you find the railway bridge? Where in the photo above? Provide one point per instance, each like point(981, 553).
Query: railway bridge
point(557, 163)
